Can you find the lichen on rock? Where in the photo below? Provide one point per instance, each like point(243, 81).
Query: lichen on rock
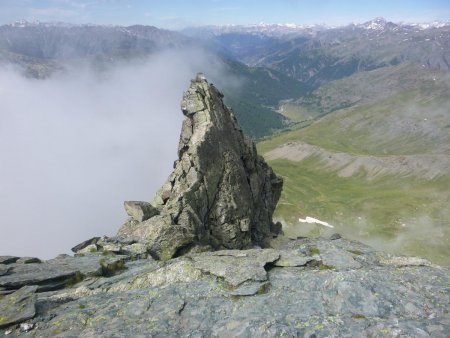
point(221, 194)
point(18, 306)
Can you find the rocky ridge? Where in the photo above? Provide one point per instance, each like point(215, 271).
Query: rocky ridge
point(155, 279)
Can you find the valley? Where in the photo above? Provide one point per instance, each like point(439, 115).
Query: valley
point(370, 154)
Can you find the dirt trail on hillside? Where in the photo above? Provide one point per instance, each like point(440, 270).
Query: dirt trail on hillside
point(424, 166)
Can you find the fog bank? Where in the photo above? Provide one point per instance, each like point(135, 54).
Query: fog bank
point(75, 146)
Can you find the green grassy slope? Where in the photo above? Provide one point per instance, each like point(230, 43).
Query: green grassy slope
point(361, 88)
point(415, 120)
point(401, 215)
point(409, 123)
point(406, 214)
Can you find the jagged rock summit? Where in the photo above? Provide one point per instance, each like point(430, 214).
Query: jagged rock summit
point(221, 194)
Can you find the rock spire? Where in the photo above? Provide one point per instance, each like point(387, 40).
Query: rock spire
point(221, 194)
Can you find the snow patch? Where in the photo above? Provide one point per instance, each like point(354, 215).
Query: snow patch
point(312, 220)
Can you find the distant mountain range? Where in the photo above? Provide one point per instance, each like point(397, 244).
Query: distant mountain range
point(63, 42)
point(317, 54)
point(280, 29)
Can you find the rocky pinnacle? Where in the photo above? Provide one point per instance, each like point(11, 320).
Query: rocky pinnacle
point(221, 194)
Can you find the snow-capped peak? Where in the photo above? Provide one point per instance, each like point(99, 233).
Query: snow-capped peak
point(426, 25)
point(24, 23)
point(377, 24)
point(37, 23)
point(273, 29)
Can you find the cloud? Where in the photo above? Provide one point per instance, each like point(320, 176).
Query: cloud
point(75, 146)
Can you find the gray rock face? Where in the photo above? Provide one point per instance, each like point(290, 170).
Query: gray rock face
point(28, 260)
point(221, 194)
point(17, 307)
point(305, 288)
point(4, 269)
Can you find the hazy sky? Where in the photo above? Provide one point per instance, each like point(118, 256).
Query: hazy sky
point(174, 14)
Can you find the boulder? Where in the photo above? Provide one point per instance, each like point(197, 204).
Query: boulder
point(8, 259)
point(85, 243)
point(140, 211)
point(221, 194)
point(88, 249)
point(28, 260)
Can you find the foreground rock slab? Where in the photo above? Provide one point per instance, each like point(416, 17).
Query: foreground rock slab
point(237, 266)
point(57, 273)
point(291, 291)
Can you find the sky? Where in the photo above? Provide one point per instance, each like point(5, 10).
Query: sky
point(177, 14)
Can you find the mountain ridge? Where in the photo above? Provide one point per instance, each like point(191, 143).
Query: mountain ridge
point(316, 57)
point(278, 29)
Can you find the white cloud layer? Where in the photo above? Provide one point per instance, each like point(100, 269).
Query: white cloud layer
point(75, 146)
